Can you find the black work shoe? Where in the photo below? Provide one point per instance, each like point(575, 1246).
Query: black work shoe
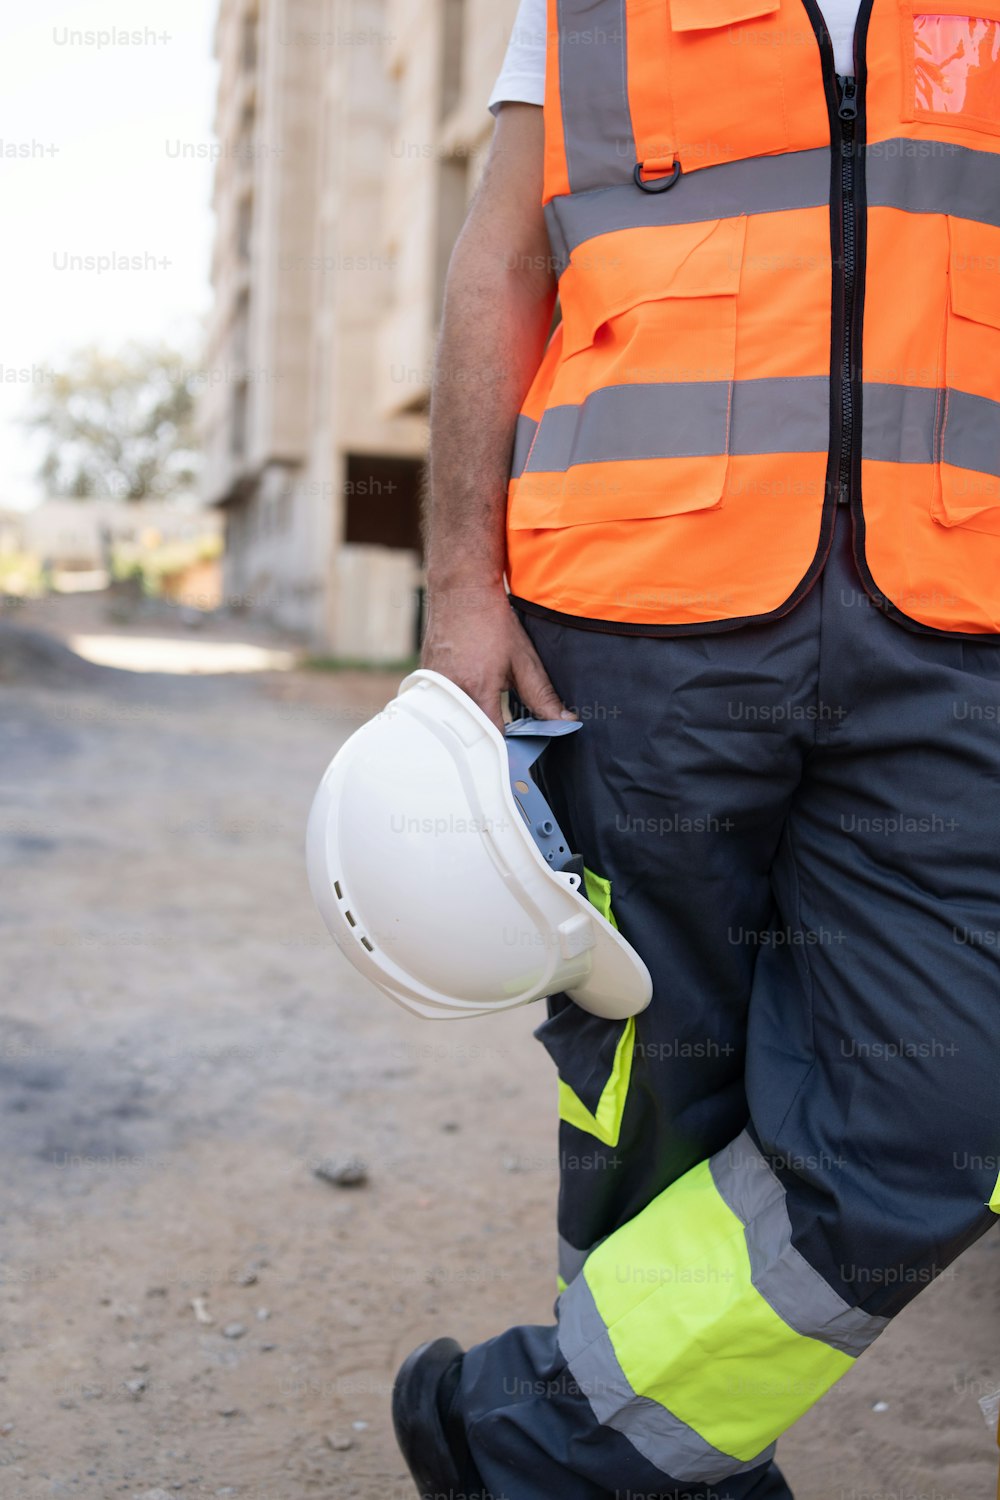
point(431, 1441)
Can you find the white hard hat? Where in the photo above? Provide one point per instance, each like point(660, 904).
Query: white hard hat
point(433, 881)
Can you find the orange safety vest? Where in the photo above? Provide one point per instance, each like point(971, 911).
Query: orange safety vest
point(780, 291)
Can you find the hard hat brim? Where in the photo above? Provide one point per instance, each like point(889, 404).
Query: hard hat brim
point(618, 985)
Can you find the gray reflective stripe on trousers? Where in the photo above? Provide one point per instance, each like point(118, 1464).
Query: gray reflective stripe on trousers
point(758, 185)
point(900, 424)
point(933, 177)
point(571, 1260)
point(784, 1278)
point(662, 1438)
point(593, 88)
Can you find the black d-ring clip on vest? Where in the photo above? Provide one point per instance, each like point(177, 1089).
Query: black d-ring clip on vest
point(656, 184)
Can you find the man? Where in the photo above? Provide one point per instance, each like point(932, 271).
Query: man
point(752, 538)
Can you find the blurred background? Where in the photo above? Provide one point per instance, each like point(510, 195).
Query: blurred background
point(238, 1186)
point(240, 223)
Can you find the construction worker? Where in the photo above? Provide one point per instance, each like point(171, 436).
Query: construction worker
point(746, 498)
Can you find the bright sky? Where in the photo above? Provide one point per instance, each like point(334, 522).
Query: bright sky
point(101, 120)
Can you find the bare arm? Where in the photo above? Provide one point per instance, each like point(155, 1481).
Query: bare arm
point(498, 307)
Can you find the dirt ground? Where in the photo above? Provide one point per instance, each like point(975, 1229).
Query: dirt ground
point(188, 1310)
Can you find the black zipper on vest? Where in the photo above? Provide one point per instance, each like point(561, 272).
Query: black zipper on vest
point(847, 114)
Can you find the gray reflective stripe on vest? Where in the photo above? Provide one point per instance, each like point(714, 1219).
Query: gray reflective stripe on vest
point(662, 1438)
point(759, 185)
point(929, 177)
point(571, 1260)
point(616, 422)
point(932, 177)
point(524, 436)
point(593, 87)
point(786, 415)
point(901, 424)
point(917, 425)
point(681, 419)
point(971, 432)
point(783, 1277)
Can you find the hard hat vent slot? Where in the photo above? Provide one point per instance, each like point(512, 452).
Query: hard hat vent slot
point(350, 917)
point(366, 944)
point(340, 894)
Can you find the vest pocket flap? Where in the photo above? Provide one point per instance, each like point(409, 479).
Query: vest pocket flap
point(637, 421)
point(975, 271)
point(613, 272)
point(702, 15)
point(596, 495)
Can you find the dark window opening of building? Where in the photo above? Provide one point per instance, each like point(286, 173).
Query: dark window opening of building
point(383, 501)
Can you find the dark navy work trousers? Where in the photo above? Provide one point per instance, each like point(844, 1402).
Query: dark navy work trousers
point(800, 823)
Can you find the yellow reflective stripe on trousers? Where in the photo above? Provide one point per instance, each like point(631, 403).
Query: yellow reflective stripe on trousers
point(606, 1124)
point(691, 1333)
point(994, 1203)
point(599, 894)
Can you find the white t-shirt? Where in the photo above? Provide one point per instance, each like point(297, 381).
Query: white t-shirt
point(522, 77)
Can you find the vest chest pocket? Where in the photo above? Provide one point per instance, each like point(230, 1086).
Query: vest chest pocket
point(951, 63)
point(969, 420)
point(744, 80)
point(637, 421)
